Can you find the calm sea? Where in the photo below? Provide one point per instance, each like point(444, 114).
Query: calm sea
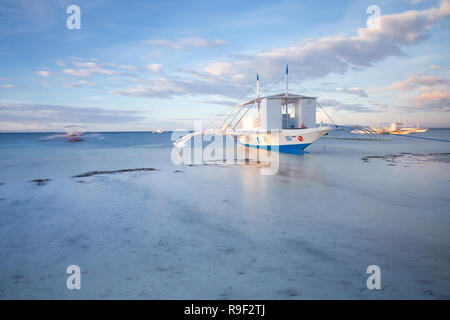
point(225, 231)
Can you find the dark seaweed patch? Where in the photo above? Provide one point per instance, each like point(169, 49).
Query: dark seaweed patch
point(94, 173)
point(41, 182)
point(391, 159)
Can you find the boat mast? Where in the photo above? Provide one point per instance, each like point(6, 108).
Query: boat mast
point(257, 85)
point(257, 95)
point(287, 90)
point(287, 80)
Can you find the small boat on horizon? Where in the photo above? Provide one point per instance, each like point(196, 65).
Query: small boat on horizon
point(394, 128)
point(74, 133)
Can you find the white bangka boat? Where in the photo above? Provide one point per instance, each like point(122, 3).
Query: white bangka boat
point(74, 133)
point(394, 128)
point(284, 122)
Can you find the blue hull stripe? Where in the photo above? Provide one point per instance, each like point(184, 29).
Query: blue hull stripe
point(289, 148)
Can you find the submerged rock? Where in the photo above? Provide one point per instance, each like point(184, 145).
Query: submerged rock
point(93, 173)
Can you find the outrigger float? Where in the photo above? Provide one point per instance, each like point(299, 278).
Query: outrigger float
point(284, 122)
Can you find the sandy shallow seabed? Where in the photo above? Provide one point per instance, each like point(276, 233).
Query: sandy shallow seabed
point(223, 232)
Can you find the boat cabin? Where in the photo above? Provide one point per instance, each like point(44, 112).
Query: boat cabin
point(291, 111)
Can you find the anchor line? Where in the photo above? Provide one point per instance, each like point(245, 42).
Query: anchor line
point(232, 109)
point(434, 139)
point(273, 84)
point(365, 130)
point(326, 113)
point(323, 109)
point(237, 113)
point(228, 116)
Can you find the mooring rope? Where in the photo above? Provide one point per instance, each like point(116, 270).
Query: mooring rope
point(248, 108)
point(320, 105)
point(232, 108)
point(434, 139)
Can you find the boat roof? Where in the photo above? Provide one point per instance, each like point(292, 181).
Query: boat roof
point(289, 96)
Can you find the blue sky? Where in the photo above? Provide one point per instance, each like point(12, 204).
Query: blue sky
point(163, 64)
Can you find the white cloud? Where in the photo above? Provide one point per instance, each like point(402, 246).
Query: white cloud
point(424, 91)
point(432, 97)
point(334, 54)
point(155, 67)
point(158, 87)
point(182, 43)
point(351, 107)
point(82, 73)
point(44, 73)
point(354, 91)
point(44, 114)
point(128, 67)
point(94, 67)
point(60, 63)
point(87, 83)
point(218, 68)
point(418, 81)
point(7, 85)
point(86, 69)
point(309, 58)
point(80, 83)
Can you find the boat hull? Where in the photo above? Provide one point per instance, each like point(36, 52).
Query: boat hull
point(295, 148)
point(286, 140)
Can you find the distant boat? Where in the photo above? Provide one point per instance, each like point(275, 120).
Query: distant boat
point(417, 129)
point(158, 131)
point(394, 128)
point(74, 133)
